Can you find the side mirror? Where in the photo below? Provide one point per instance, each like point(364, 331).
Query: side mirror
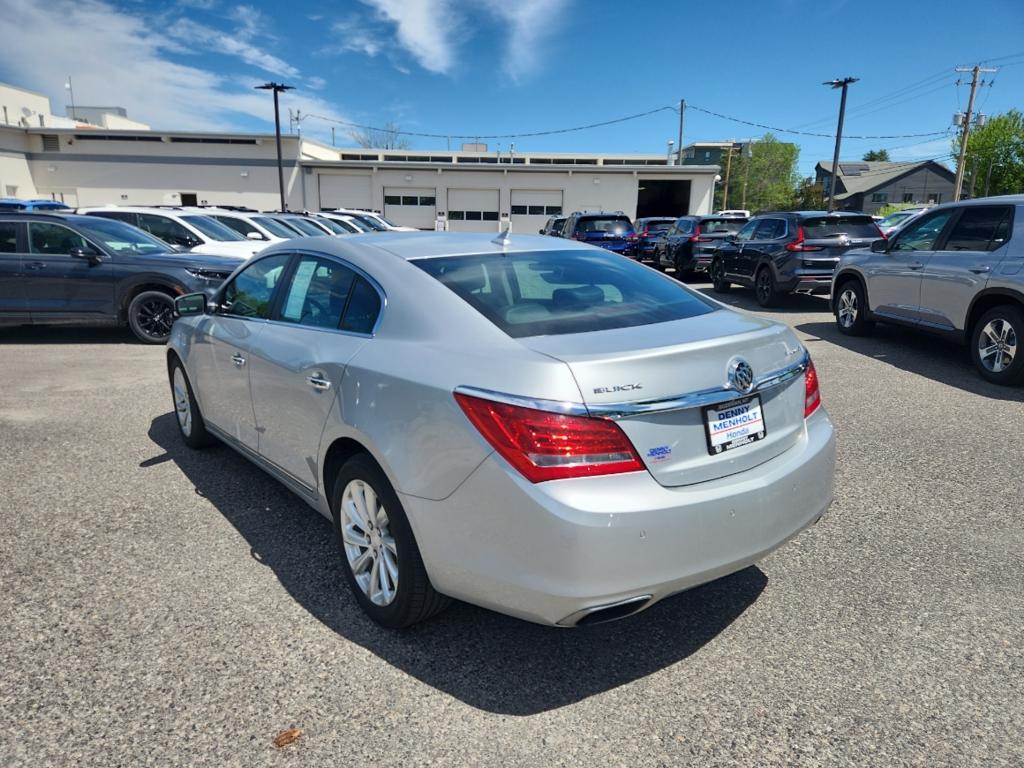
point(730, 239)
point(255, 236)
point(191, 304)
point(89, 255)
point(880, 246)
point(540, 231)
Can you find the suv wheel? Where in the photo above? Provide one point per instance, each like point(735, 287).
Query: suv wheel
point(681, 273)
point(150, 316)
point(764, 288)
point(850, 306)
point(718, 281)
point(997, 345)
point(382, 562)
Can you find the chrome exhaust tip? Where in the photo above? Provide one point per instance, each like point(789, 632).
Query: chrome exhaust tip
point(599, 614)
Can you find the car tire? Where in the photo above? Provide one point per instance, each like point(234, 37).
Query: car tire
point(379, 554)
point(191, 425)
point(850, 308)
point(764, 288)
point(718, 282)
point(150, 316)
point(683, 275)
point(1000, 330)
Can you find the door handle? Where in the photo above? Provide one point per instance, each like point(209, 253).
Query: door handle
point(238, 360)
point(980, 269)
point(33, 265)
point(317, 381)
point(915, 264)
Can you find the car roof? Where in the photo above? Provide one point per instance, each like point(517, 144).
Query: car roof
point(72, 218)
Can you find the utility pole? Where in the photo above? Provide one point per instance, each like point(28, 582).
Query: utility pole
point(844, 83)
point(682, 119)
point(277, 88)
point(725, 182)
point(332, 137)
point(988, 176)
point(71, 91)
point(748, 154)
point(965, 131)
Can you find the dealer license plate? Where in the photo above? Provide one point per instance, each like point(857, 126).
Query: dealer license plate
point(734, 424)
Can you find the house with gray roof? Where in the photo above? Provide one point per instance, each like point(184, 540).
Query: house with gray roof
point(867, 186)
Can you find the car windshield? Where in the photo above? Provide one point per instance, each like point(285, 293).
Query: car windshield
point(275, 227)
point(895, 218)
point(834, 226)
point(123, 238)
point(550, 293)
point(370, 222)
point(306, 227)
point(334, 226)
point(616, 225)
point(730, 225)
point(387, 221)
point(212, 228)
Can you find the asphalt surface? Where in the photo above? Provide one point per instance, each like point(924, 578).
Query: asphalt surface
point(168, 607)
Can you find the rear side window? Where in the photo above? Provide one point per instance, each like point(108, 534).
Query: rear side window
point(835, 226)
point(560, 292)
point(125, 216)
point(54, 239)
point(251, 293)
point(8, 237)
point(363, 308)
point(980, 228)
point(770, 229)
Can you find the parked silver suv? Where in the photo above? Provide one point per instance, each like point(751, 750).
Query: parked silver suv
point(956, 270)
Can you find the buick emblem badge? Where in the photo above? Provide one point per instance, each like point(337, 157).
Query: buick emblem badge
point(741, 375)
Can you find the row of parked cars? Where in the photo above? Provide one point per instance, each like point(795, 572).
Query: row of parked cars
point(126, 264)
point(955, 270)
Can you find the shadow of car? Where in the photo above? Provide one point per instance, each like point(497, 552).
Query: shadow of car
point(489, 661)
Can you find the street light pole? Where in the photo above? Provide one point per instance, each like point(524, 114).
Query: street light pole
point(71, 92)
point(277, 88)
point(844, 83)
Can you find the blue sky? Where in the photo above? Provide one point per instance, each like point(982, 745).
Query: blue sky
point(481, 67)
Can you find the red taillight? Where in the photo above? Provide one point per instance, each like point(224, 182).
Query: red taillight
point(798, 244)
point(812, 395)
point(551, 446)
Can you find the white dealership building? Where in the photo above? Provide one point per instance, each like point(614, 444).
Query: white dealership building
point(92, 163)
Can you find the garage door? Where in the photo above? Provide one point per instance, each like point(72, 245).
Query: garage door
point(411, 207)
point(473, 210)
point(532, 207)
point(345, 191)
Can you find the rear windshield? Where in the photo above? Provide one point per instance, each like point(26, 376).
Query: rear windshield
point(659, 226)
point(551, 293)
point(617, 225)
point(730, 225)
point(834, 226)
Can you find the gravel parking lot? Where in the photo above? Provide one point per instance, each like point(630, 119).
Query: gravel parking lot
point(166, 607)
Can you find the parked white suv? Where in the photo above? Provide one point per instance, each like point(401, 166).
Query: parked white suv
point(187, 229)
point(251, 225)
point(375, 220)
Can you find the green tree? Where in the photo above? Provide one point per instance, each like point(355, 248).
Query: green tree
point(994, 163)
point(877, 155)
point(763, 177)
point(809, 196)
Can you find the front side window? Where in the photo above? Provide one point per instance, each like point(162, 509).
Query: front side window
point(317, 293)
point(168, 230)
point(922, 235)
point(54, 239)
point(980, 228)
point(748, 231)
point(8, 237)
point(251, 293)
point(562, 292)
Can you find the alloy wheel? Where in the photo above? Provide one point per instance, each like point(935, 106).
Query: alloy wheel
point(997, 345)
point(182, 405)
point(155, 317)
point(369, 545)
point(764, 285)
point(848, 309)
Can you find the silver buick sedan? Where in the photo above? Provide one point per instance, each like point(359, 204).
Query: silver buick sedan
point(536, 426)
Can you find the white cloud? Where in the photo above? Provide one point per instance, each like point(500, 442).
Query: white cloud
point(529, 22)
point(188, 31)
point(126, 64)
point(248, 19)
point(423, 28)
point(354, 35)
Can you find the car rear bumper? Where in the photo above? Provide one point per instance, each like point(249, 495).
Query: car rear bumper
point(820, 282)
point(552, 552)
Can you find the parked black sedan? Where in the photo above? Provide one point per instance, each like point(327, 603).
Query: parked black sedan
point(64, 268)
point(789, 252)
point(691, 241)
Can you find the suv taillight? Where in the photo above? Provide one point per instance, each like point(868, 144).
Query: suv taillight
point(812, 395)
point(551, 446)
point(696, 238)
point(798, 244)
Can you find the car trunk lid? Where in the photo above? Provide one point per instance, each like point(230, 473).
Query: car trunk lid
point(658, 363)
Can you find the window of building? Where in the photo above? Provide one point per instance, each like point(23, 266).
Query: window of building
point(553, 210)
point(536, 210)
point(519, 210)
point(879, 197)
point(908, 197)
point(934, 197)
point(392, 200)
point(456, 215)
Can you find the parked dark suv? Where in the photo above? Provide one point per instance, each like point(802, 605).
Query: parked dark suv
point(612, 231)
point(649, 231)
point(688, 245)
point(86, 269)
point(793, 251)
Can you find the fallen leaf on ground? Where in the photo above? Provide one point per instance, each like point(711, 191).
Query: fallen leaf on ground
point(284, 738)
